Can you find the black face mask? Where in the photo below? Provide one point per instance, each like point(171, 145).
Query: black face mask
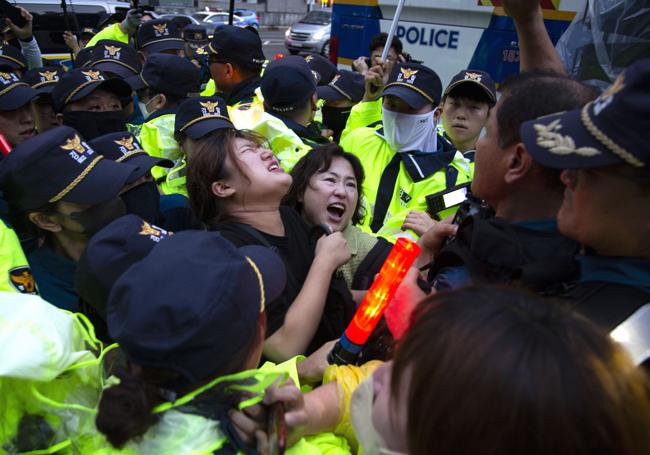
point(94, 124)
point(96, 217)
point(335, 119)
point(143, 201)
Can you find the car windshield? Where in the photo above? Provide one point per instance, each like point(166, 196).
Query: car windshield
point(218, 18)
point(317, 18)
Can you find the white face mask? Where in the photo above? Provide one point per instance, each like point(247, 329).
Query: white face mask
point(143, 108)
point(410, 132)
point(361, 416)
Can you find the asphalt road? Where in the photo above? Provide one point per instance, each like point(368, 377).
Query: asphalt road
point(273, 42)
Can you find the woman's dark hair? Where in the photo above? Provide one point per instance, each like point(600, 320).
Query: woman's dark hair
point(319, 160)
point(125, 409)
point(380, 41)
point(496, 370)
point(207, 165)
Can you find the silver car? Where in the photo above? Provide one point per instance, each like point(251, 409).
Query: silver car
point(311, 33)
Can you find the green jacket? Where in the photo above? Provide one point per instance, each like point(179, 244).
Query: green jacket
point(157, 139)
point(418, 176)
point(112, 32)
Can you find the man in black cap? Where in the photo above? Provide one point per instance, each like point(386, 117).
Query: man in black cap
point(404, 158)
point(108, 255)
point(43, 80)
point(466, 103)
point(16, 118)
point(165, 81)
point(159, 36)
point(67, 192)
point(340, 95)
point(322, 66)
point(196, 118)
point(115, 59)
point(603, 153)
point(236, 60)
point(140, 195)
point(12, 60)
point(196, 49)
point(90, 102)
point(289, 91)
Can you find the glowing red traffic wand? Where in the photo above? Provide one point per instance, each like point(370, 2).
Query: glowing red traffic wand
point(5, 147)
point(374, 304)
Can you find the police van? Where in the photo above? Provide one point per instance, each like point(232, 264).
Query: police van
point(447, 35)
point(49, 22)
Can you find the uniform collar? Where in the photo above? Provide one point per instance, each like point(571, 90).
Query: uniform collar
point(309, 134)
point(422, 165)
point(244, 92)
point(610, 269)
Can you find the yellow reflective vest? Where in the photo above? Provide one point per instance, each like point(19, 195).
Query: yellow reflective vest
point(157, 139)
point(15, 275)
point(418, 175)
point(112, 32)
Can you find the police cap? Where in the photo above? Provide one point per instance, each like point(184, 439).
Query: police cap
point(58, 165)
point(158, 35)
point(195, 35)
point(13, 92)
point(232, 44)
point(475, 77)
point(123, 147)
point(109, 253)
point(44, 78)
point(115, 57)
point(325, 69)
point(414, 84)
point(168, 74)
point(79, 83)
point(11, 58)
point(182, 309)
point(347, 85)
point(198, 116)
point(612, 129)
point(287, 83)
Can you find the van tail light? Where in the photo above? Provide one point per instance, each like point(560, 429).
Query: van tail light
point(334, 49)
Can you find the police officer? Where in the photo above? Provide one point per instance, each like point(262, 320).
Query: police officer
point(16, 117)
point(159, 36)
point(118, 31)
point(323, 67)
point(602, 149)
point(340, 95)
point(196, 49)
point(91, 102)
point(165, 81)
point(115, 59)
point(404, 158)
point(196, 119)
point(290, 100)
point(466, 103)
point(108, 255)
point(68, 192)
point(236, 60)
point(12, 60)
point(183, 335)
point(43, 80)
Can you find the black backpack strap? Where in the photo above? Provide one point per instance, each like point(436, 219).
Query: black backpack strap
point(369, 267)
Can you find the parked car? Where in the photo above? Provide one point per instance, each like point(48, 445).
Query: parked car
point(221, 18)
point(249, 17)
point(311, 33)
point(186, 19)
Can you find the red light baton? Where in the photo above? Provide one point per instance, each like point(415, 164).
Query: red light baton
point(374, 304)
point(5, 148)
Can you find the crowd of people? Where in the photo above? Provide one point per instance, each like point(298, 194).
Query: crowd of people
point(187, 229)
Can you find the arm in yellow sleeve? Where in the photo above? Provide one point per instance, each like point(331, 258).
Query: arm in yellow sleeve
point(362, 114)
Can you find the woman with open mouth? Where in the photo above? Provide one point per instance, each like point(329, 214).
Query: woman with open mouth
point(235, 186)
point(325, 190)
